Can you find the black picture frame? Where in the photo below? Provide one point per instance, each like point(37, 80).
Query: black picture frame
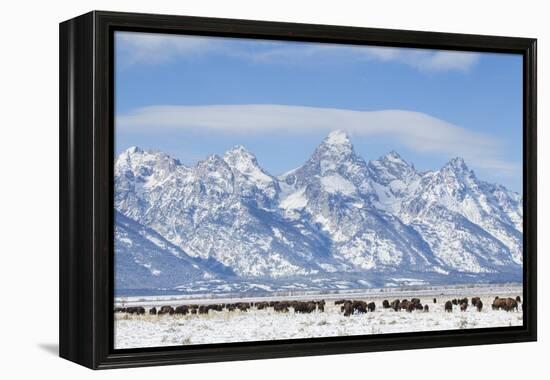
point(86, 189)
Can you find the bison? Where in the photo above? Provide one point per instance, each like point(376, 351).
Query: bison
point(136, 310)
point(304, 307)
point(230, 307)
point(183, 310)
point(261, 305)
point(455, 302)
point(518, 299)
point(449, 306)
point(347, 308)
point(385, 304)
point(395, 305)
point(507, 304)
point(404, 304)
point(475, 300)
point(242, 306)
point(435, 300)
point(166, 310)
point(153, 311)
point(321, 305)
point(360, 306)
point(280, 307)
point(371, 306)
point(479, 305)
point(426, 308)
point(511, 304)
point(463, 306)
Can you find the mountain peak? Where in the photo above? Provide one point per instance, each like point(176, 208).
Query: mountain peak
point(240, 159)
point(238, 151)
point(133, 150)
point(136, 157)
point(393, 156)
point(337, 144)
point(337, 137)
point(457, 164)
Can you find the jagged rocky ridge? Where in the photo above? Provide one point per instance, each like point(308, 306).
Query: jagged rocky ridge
point(335, 222)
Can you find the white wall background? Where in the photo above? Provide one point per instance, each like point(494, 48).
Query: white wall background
point(29, 185)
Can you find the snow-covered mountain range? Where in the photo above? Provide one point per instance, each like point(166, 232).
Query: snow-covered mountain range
point(335, 222)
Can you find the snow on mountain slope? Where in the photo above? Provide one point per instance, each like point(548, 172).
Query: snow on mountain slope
point(338, 190)
point(393, 180)
point(336, 214)
point(452, 195)
point(145, 259)
point(221, 209)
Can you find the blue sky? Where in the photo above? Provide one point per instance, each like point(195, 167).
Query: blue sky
point(194, 96)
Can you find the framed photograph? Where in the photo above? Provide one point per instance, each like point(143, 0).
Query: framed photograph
point(235, 189)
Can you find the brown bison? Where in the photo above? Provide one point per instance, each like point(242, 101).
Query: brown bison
point(216, 307)
point(136, 310)
point(340, 302)
point(507, 304)
point(230, 307)
point(463, 300)
point(475, 300)
point(242, 306)
point(395, 305)
point(280, 307)
point(435, 300)
point(479, 305)
point(347, 308)
point(153, 311)
point(463, 306)
point(410, 307)
point(261, 305)
point(385, 304)
point(182, 310)
point(321, 305)
point(166, 310)
point(449, 306)
point(414, 304)
point(454, 302)
point(120, 310)
point(404, 304)
point(511, 304)
point(371, 306)
point(518, 299)
point(356, 306)
point(304, 307)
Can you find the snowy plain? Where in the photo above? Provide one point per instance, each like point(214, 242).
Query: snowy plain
point(133, 331)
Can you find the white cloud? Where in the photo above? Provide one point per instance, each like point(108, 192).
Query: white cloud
point(417, 131)
point(146, 48)
point(151, 48)
point(428, 60)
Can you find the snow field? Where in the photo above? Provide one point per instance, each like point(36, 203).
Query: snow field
point(133, 331)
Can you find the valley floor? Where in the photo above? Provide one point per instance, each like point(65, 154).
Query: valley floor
point(133, 331)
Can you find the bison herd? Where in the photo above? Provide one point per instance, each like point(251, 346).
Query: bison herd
point(348, 307)
point(279, 306)
point(405, 304)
